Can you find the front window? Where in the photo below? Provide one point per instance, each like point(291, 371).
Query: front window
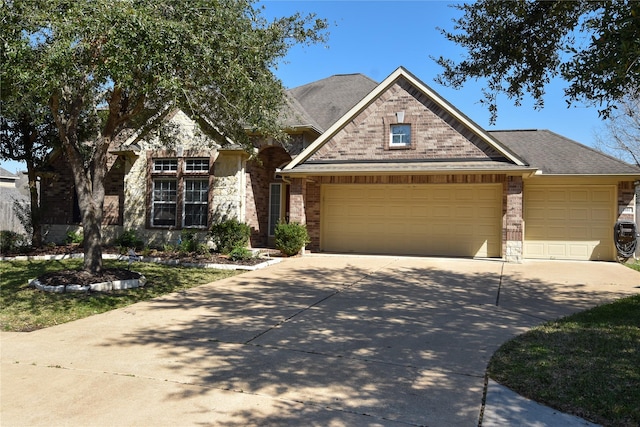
point(400, 136)
point(197, 165)
point(196, 194)
point(275, 206)
point(180, 192)
point(164, 207)
point(165, 165)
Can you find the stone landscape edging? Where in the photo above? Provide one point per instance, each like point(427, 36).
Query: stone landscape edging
point(125, 284)
point(157, 260)
point(101, 287)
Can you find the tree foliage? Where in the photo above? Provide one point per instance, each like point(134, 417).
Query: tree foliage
point(100, 65)
point(621, 134)
point(519, 46)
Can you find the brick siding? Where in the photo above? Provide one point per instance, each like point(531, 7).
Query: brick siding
point(626, 201)
point(259, 174)
point(58, 192)
point(435, 134)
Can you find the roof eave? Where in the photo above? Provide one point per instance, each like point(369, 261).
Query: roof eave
point(635, 176)
point(524, 172)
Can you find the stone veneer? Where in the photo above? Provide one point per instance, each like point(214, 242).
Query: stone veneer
point(128, 186)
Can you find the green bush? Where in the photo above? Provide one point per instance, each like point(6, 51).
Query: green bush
point(291, 237)
point(74, 237)
point(129, 239)
point(240, 253)
point(230, 234)
point(188, 241)
point(10, 241)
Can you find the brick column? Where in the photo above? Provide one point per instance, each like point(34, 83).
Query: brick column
point(513, 238)
point(297, 193)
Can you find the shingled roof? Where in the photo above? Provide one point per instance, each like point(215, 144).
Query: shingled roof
point(557, 155)
point(323, 102)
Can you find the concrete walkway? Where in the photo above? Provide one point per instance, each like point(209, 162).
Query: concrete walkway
point(318, 340)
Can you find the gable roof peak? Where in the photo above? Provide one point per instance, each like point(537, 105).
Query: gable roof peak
point(374, 94)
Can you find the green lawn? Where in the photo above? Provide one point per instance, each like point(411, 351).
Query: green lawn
point(634, 264)
point(25, 309)
point(587, 364)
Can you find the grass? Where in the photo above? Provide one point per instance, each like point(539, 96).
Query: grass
point(587, 364)
point(25, 309)
point(635, 264)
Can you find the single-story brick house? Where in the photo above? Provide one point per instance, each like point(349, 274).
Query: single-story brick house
point(389, 168)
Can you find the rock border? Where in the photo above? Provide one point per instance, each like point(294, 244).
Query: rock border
point(266, 263)
point(102, 286)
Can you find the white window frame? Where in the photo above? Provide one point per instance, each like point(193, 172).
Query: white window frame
point(155, 202)
point(195, 165)
point(165, 165)
point(392, 135)
point(272, 223)
point(194, 203)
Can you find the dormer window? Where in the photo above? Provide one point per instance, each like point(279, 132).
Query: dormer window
point(400, 136)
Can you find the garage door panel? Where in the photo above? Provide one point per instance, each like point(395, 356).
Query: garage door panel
point(577, 196)
point(580, 250)
point(556, 196)
point(602, 196)
point(580, 226)
point(440, 211)
point(437, 219)
point(604, 215)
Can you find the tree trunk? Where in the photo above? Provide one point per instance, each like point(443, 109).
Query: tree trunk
point(36, 226)
point(92, 246)
point(90, 192)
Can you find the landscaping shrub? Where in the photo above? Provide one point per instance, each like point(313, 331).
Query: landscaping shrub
point(240, 253)
point(291, 237)
point(188, 241)
point(230, 234)
point(10, 241)
point(129, 239)
point(74, 237)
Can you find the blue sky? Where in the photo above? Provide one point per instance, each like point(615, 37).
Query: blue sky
point(376, 37)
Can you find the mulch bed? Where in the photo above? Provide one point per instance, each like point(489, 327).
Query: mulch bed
point(81, 277)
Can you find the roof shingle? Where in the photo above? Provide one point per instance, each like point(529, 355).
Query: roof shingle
point(555, 154)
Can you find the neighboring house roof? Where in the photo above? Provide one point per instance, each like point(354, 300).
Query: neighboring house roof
point(323, 102)
point(554, 154)
point(6, 175)
point(401, 73)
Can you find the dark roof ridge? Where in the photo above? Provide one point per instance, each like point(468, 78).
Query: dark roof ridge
point(514, 130)
point(315, 82)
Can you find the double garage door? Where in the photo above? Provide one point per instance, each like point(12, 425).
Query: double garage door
point(569, 222)
point(429, 219)
point(560, 222)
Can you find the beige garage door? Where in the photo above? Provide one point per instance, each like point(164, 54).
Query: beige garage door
point(434, 219)
point(569, 222)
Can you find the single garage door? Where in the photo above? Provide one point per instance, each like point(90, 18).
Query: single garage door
point(430, 219)
point(565, 222)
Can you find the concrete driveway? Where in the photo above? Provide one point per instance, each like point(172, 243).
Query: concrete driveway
point(318, 340)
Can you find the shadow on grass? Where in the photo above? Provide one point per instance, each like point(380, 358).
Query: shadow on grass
point(24, 309)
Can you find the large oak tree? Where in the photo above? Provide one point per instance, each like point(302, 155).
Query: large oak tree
point(109, 62)
point(517, 47)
